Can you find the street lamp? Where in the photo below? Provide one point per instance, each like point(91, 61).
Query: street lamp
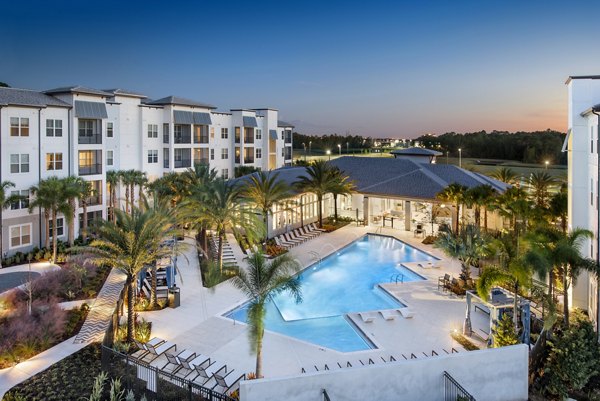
point(329, 154)
point(340, 149)
point(309, 147)
point(347, 147)
point(303, 144)
point(459, 157)
point(546, 163)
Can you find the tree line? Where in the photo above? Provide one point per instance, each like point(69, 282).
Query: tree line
point(331, 142)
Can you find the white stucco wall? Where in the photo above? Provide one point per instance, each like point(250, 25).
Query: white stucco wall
point(490, 375)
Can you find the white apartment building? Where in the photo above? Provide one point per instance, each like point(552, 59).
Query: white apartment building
point(583, 152)
point(86, 132)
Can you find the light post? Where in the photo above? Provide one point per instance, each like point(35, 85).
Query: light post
point(309, 147)
point(460, 157)
point(340, 149)
point(447, 156)
point(347, 148)
point(303, 144)
point(546, 163)
point(329, 154)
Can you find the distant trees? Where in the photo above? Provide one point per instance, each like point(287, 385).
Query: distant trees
point(324, 142)
point(527, 147)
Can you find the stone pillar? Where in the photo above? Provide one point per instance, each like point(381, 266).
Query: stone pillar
point(467, 328)
point(407, 216)
point(366, 210)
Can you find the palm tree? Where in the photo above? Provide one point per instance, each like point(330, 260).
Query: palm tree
point(455, 194)
point(140, 180)
point(514, 205)
point(261, 281)
point(511, 270)
point(51, 195)
point(5, 202)
point(264, 190)
point(539, 184)
point(128, 180)
point(86, 191)
point(129, 245)
point(468, 246)
point(319, 180)
point(506, 175)
point(480, 197)
point(73, 187)
point(223, 210)
point(340, 186)
point(558, 208)
point(113, 179)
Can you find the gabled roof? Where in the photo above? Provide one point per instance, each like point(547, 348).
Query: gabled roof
point(26, 97)
point(125, 92)
point(179, 101)
point(414, 151)
point(78, 89)
point(284, 124)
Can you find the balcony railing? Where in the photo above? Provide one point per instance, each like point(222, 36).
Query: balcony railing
point(200, 138)
point(249, 139)
point(95, 139)
point(454, 391)
point(183, 163)
point(94, 200)
point(91, 169)
point(248, 160)
point(184, 138)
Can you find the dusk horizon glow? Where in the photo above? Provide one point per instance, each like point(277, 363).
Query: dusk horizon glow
point(382, 70)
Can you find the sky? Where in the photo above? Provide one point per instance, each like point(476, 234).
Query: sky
point(383, 69)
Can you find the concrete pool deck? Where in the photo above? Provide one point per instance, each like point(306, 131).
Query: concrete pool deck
point(198, 324)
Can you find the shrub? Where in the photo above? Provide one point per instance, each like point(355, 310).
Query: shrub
point(505, 333)
point(462, 340)
point(429, 240)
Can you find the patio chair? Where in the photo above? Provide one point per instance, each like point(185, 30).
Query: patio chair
point(406, 313)
point(443, 281)
point(143, 348)
point(157, 351)
point(282, 243)
point(314, 227)
point(205, 372)
point(420, 230)
point(225, 382)
point(298, 234)
point(289, 238)
point(311, 234)
point(173, 364)
point(367, 317)
point(189, 366)
point(388, 314)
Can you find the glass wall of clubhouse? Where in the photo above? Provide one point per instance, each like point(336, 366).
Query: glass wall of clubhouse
point(421, 216)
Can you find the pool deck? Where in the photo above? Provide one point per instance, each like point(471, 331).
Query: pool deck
point(198, 324)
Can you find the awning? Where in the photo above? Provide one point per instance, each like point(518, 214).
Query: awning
point(273, 134)
point(202, 119)
point(93, 110)
point(183, 117)
point(250, 122)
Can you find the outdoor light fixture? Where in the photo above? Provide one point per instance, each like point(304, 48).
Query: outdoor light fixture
point(328, 153)
point(460, 157)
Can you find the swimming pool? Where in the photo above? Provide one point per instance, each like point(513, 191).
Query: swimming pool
point(342, 283)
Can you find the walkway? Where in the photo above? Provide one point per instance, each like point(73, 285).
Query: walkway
point(102, 309)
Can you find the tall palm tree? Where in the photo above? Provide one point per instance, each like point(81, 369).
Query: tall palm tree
point(558, 208)
point(129, 245)
point(73, 191)
point(341, 185)
point(514, 205)
point(454, 194)
point(539, 185)
point(223, 210)
point(50, 194)
point(511, 270)
point(506, 175)
point(263, 191)
point(319, 179)
point(5, 202)
point(468, 246)
point(113, 179)
point(86, 191)
point(480, 197)
point(128, 180)
point(261, 281)
point(140, 180)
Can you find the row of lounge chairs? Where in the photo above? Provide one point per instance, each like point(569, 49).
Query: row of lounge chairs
point(376, 360)
point(298, 236)
point(387, 314)
point(188, 365)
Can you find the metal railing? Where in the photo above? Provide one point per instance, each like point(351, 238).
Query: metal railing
point(94, 139)
point(90, 169)
point(182, 138)
point(183, 163)
point(155, 384)
point(454, 391)
point(326, 396)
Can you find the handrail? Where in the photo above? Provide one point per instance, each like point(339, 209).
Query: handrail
point(326, 396)
point(454, 391)
point(394, 278)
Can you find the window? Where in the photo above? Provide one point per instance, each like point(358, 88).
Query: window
point(54, 161)
point(152, 131)
point(53, 127)
point(225, 173)
point(258, 153)
point(109, 158)
point(19, 126)
point(60, 227)
point(92, 218)
point(224, 133)
point(237, 134)
point(165, 158)
point(258, 134)
point(109, 130)
point(20, 235)
point(212, 132)
point(90, 162)
point(212, 154)
point(153, 156)
point(22, 203)
point(182, 158)
point(90, 131)
point(282, 135)
point(19, 163)
point(282, 152)
point(224, 153)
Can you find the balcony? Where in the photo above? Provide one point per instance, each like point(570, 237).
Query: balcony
point(249, 139)
point(201, 139)
point(248, 159)
point(183, 138)
point(90, 169)
point(183, 163)
point(203, 161)
point(94, 200)
point(92, 139)
point(237, 159)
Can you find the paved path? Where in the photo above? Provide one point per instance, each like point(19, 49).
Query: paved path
point(102, 309)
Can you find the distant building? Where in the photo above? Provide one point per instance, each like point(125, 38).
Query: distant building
point(419, 155)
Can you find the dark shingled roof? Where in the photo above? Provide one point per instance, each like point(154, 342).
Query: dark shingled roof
point(26, 97)
point(414, 151)
point(284, 124)
point(396, 177)
point(78, 89)
point(179, 101)
point(125, 92)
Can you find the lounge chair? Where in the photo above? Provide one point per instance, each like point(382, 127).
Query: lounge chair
point(388, 314)
point(173, 364)
point(289, 238)
point(406, 313)
point(300, 235)
point(204, 372)
point(429, 265)
point(367, 317)
point(143, 348)
point(156, 351)
point(311, 234)
point(314, 227)
point(283, 243)
point(225, 382)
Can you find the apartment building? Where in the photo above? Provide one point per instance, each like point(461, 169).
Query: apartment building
point(583, 152)
point(86, 132)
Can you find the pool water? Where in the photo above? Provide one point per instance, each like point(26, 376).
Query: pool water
point(344, 282)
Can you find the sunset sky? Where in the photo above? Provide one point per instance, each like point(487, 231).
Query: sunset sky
point(397, 69)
